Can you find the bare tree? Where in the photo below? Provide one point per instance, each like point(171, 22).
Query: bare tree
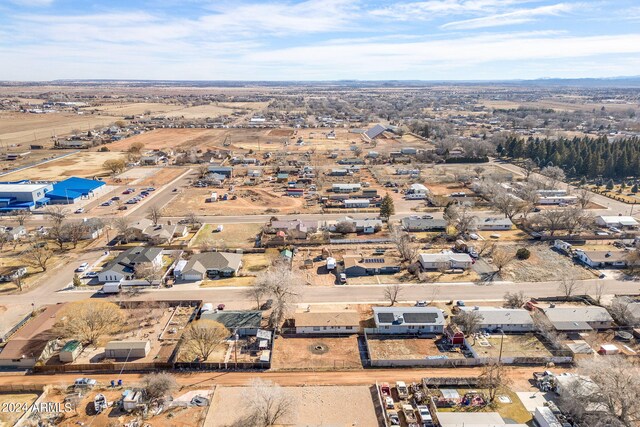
point(478, 171)
point(203, 171)
point(37, 256)
point(547, 330)
point(392, 293)
point(528, 166)
point(74, 232)
point(123, 226)
point(568, 287)
point(514, 299)
point(605, 392)
point(202, 337)
point(633, 262)
point(598, 290)
point(115, 166)
point(268, 403)
point(584, 198)
point(22, 216)
point(506, 203)
point(154, 214)
point(193, 220)
point(158, 385)
point(149, 272)
point(465, 222)
point(551, 219)
point(4, 238)
point(345, 227)
point(88, 321)
point(281, 284)
point(620, 309)
point(257, 293)
point(56, 213)
point(468, 320)
point(406, 248)
point(18, 281)
point(494, 379)
point(501, 259)
point(554, 174)
point(577, 220)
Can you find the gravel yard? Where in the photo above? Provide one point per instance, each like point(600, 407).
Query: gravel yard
point(314, 406)
point(543, 265)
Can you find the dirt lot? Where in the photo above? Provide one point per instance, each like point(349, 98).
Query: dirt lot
point(232, 236)
point(315, 406)
point(24, 128)
point(527, 345)
point(85, 164)
point(12, 405)
point(316, 353)
point(133, 108)
point(250, 201)
point(543, 265)
point(390, 348)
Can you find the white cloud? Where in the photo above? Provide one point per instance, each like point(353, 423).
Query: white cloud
point(32, 3)
point(510, 18)
point(432, 9)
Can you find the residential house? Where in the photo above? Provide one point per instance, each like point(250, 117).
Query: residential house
point(325, 323)
point(211, 264)
point(356, 203)
point(603, 259)
point(373, 133)
point(493, 224)
point(346, 188)
point(417, 192)
point(445, 260)
point(416, 224)
point(244, 323)
point(505, 319)
point(227, 171)
point(408, 320)
point(15, 233)
point(626, 222)
point(123, 267)
point(295, 225)
point(578, 318)
point(356, 266)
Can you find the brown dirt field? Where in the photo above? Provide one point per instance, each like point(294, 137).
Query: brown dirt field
point(134, 108)
point(281, 132)
point(8, 416)
point(162, 177)
point(25, 128)
point(295, 353)
point(86, 164)
point(250, 201)
point(556, 105)
point(383, 348)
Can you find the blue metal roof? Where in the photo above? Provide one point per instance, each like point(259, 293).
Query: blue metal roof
point(74, 187)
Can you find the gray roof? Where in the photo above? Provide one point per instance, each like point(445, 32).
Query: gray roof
point(571, 315)
point(423, 223)
point(126, 345)
point(213, 261)
point(126, 261)
point(235, 319)
point(502, 316)
point(408, 316)
point(375, 131)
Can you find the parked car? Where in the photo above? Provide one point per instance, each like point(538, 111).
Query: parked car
point(123, 208)
point(421, 303)
point(80, 210)
point(106, 203)
point(343, 278)
point(150, 189)
point(115, 198)
point(85, 382)
point(460, 303)
point(91, 275)
point(82, 267)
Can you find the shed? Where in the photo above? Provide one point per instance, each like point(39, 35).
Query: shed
point(127, 349)
point(608, 349)
point(70, 351)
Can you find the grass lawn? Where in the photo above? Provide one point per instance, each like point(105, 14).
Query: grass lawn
point(255, 262)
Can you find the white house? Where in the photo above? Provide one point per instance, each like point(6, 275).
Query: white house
point(445, 260)
point(617, 221)
point(557, 200)
point(346, 188)
point(603, 259)
point(408, 320)
point(493, 224)
point(356, 203)
point(123, 267)
point(506, 319)
point(326, 323)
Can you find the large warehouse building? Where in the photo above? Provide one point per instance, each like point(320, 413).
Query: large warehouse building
point(25, 195)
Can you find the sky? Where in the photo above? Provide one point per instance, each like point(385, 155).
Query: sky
point(278, 40)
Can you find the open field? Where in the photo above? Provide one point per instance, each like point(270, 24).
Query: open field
point(250, 201)
point(316, 353)
point(544, 264)
point(314, 406)
point(134, 108)
point(85, 164)
point(558, 105)
point(232, 236)
point(407, 348)
point(217, 109)
point(24, 128)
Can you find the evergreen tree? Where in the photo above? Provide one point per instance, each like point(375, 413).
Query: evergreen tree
point(610, 185)
point(386, 207)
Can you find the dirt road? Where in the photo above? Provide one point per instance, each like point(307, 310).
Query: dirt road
point(519, 375)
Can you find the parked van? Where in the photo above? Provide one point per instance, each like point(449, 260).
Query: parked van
point(331, 263)
point(82, 267)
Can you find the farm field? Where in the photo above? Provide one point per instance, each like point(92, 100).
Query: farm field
point(133, 108)
point(316, 353)
point(86, 164)
point(556, 105)
point(314, 406)
point(24, 128)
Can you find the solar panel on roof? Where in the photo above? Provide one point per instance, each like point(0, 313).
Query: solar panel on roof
point(386, 317)
point(374, 260)
point(420, 317)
